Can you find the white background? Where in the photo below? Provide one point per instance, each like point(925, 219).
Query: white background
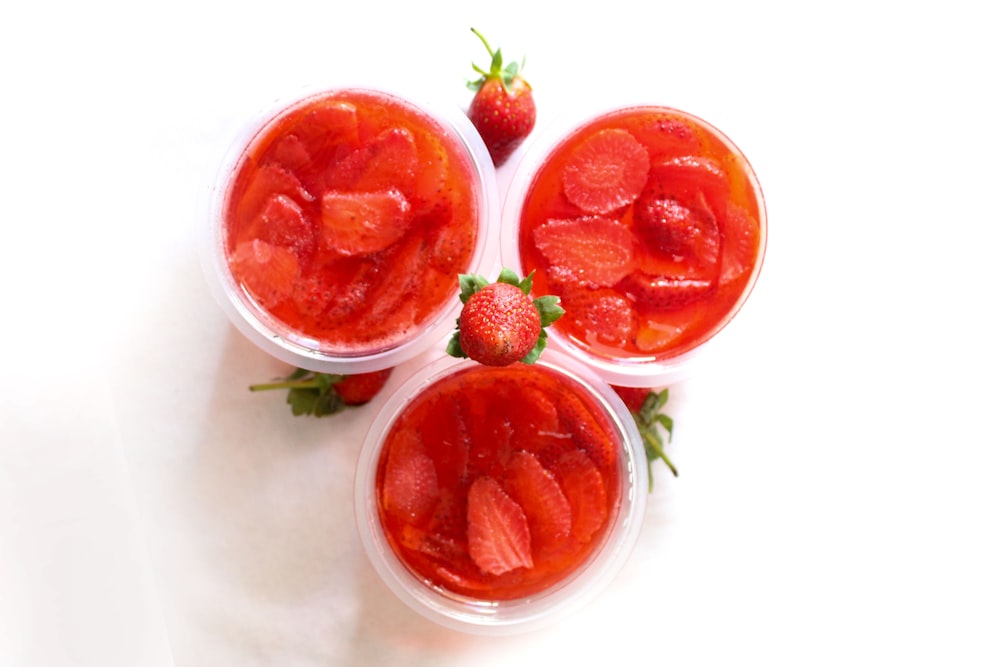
point(838, 498)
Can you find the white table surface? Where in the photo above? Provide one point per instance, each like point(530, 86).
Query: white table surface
point(838, 497)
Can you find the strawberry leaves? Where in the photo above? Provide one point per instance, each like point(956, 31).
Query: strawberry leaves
point(646, 406)
point(504, 73)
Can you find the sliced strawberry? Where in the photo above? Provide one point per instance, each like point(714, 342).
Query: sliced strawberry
point(498, 534)
point(321, 135)
point(490, 429)
point(591, 251)
point(359, 223)
point(654, 262)
point(389, 161)
point(536, 415)
point(394, 284)
point(666, 292)
point(329, 294)
point(603, 314)
point(688, 179)
point(410, 487)
point(667, 137)
point(267, 272)
point(450, 446)
point(535, 489)
point(451, 238)
point(448, 518)
point(685, 231)
point(586, 432)
point(430, 180)
point(281, 222)
point(741, 236)
point(440, 547)
point(606, 172)
point(667, 329)
point(584, 488)
point(265, 182)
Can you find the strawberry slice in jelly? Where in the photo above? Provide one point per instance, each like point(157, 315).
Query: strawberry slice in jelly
point(535, 417)
point(585, 490)
point(587, 433)
point(606, 172)
point(666, 292)
point(266, 271)
point(330, 294)
point(498, 534)
point(410, 486)
point(388, 161)
point(691, 180)
point(394, 284)
point(741, 236)
point(359, 223)
point(430, 180)
point(535, 489)
point(268, 180)
point(603, 314)
point(684, 231)
point(320, 136)
point(282, 222)
point(667, 329)
point(593, 251)
point(668, 137)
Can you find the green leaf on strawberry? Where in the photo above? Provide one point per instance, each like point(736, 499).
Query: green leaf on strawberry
point(500, 323)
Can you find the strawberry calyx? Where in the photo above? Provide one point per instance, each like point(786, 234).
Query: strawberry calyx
point(548, 311)
point(505, 74)
point(322, 394)
point(646, 407)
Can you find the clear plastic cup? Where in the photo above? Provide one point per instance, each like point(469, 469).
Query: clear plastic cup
point(291, 252)
point(644, 323)
point(418, 526)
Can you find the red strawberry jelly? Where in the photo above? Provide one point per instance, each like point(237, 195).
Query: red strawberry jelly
point(347, 219)
point(499, 483)
point(650, 225)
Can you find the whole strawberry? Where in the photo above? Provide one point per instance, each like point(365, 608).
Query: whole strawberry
point(361, 388)
point(503, 108)
point(321, 394)
point(500, 323)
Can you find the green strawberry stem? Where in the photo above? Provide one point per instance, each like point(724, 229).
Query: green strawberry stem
point(309, 393)
point(506, 74)
point(486, 44)
point(655, 451)
point(649, 420)
point(312, 383)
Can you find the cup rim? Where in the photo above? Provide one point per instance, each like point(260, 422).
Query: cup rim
point(641, 371)
point(266, 332)
point(520, 615)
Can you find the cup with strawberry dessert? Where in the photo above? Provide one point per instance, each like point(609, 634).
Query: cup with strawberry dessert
point(340, 221)
point(497, 499)
point(649, 224)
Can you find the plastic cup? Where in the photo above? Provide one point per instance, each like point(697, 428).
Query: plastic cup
point(416, 491)
point(648, 294)
point(291, 251)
